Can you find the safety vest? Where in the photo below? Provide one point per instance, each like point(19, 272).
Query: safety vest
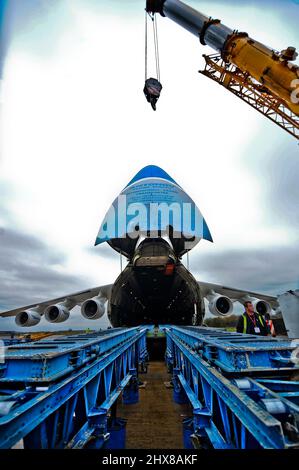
point(259, 317)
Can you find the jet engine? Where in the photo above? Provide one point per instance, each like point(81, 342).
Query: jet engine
point(57, 313)
point(219, 305)
point(261, 306)
point(27, 318)
point(92, 309)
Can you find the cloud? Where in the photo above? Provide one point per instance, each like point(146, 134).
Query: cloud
point(271, 271)
point(103, 251)
point(30, 271)
point(46, 19)
point(6, 194)
point(280, 171)
point(273, 162)
point(39, 26)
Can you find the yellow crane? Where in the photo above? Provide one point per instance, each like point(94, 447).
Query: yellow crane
point(264, 78)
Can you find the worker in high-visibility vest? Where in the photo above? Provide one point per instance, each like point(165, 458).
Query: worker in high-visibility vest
point(252, 323)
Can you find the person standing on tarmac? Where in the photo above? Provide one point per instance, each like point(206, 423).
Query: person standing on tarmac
point(252, 323)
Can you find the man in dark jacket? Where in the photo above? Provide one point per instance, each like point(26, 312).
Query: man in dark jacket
point(252, 323)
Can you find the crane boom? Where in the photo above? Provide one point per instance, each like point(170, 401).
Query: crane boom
point(270, 75)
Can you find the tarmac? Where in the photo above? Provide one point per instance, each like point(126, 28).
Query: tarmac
point(156, 421)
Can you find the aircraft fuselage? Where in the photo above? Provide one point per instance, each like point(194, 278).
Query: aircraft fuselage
point(155, 287)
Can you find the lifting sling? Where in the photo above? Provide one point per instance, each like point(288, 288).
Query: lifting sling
point(152, 87)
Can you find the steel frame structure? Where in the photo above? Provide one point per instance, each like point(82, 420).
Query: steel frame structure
point(249, 406)
point(63, 393)
point(254, 94)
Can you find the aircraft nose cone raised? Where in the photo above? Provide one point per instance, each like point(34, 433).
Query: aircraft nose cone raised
point(153, 205)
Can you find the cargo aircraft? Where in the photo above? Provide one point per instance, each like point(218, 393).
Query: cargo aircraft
point(153, 223)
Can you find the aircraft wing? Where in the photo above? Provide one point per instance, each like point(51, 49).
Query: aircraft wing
point(73, 299)
point(236, 294)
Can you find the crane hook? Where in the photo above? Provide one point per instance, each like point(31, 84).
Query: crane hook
point(152, 90)
point(152, 87)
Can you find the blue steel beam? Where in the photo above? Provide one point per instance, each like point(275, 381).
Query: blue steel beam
point(229, 412)
point(238, 353)
point(75, 409)
point(46, 361)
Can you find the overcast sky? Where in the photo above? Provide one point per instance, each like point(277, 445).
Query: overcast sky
point(76, 128)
